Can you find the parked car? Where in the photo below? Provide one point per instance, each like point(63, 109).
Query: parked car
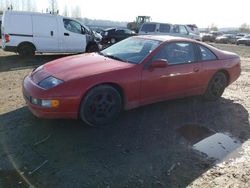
point(211, 36)
point(155, 28)
point(245, 40)
point(113, 35)
point(240, 35)
point(137, 71)
point(28, 32)
point(226, 38)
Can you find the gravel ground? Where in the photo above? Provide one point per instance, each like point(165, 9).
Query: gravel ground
point(144, 148)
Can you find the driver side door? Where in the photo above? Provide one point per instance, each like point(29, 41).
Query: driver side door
point(180, 77)
point(73, 36)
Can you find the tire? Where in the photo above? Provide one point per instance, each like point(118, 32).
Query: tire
point(26, 50)
point(216, 87)
point(101, 106)
point(93, 48)
point(112, 40)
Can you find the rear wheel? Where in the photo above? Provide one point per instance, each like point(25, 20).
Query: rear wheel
point(216, 87)
point(101, 105)
point(26, 50)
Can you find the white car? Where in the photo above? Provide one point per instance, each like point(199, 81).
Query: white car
point(29, 32)
point(155, 28)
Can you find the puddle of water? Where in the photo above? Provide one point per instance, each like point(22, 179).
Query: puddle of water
point(217, 146)
point(194, 133)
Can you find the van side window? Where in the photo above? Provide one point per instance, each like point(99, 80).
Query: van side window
point(148, 27)
point(183, 30)
point(72, 26)
point(177, 53)
point(164, 28)
point(176, 29)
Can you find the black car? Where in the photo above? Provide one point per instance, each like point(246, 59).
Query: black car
point(113, 35)
point(245, 40)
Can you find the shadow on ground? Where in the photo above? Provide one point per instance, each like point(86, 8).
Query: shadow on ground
point(15, 62)
point(139, 150)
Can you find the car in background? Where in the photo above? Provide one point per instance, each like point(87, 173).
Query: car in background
point(155, 28)
point(240, 35)
point(30, 32)
point(137, 71)
point(244, 40)
point(226, 39)
point(113, 35)
point(211, 36)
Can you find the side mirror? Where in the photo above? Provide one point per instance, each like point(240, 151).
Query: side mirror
point(159, 63)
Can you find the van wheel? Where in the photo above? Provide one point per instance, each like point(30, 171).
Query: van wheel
point(93, 48)
point(26, 50)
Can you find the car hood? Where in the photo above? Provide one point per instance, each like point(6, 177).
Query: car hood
point(83, 65)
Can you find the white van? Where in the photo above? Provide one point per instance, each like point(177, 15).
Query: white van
point(155, 28)
point(29, 32)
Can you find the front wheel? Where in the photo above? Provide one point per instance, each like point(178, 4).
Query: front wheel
point(216, 87)
point(101, 105)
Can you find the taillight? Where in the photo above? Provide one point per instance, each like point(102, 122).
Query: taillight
point(7, 38)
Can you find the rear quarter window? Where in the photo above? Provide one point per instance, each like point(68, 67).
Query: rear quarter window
point(206, 54)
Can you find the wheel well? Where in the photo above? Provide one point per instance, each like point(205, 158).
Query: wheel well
point(227, 75)
point(90, 44)
point(26, 43)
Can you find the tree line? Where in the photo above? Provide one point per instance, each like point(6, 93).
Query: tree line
point(30, 5)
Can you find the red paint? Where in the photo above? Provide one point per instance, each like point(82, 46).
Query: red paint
point(140, 86)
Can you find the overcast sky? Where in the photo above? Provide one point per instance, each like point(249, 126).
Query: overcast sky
point(223, 13)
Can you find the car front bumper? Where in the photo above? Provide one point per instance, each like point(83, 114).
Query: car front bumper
point(68, 106)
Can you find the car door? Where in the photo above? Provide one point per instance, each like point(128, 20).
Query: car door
point(45, 33)
point(179, 78)
point(73, 36)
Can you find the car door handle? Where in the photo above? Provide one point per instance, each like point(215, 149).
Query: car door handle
point(66, 34)
point(196, 69)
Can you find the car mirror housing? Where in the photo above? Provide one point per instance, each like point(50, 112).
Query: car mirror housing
point(159, 63)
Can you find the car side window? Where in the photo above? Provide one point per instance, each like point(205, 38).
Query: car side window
point(72, 26)
point(177, 53)
point(206, 54)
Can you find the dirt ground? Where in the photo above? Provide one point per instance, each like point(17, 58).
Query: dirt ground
point(144, 148)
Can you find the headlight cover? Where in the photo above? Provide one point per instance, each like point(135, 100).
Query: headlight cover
point(50, 82)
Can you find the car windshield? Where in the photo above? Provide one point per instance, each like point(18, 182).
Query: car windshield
point(131, 50)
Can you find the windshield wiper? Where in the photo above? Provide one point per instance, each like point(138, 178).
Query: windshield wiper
point(112, 57)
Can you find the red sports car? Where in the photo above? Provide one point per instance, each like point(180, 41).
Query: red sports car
point(136, 71)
